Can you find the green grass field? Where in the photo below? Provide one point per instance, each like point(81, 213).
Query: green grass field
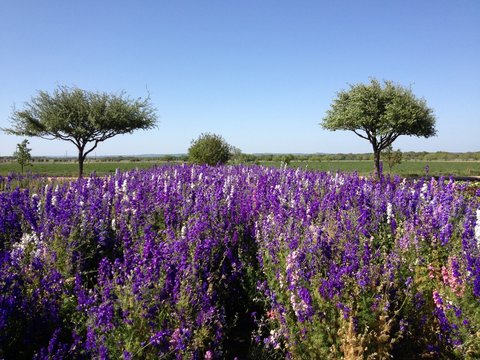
point(407, 168)
point(70, 169)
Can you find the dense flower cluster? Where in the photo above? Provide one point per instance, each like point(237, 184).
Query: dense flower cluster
point(192, 262)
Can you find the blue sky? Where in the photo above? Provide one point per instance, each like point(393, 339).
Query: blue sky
point(260, 73)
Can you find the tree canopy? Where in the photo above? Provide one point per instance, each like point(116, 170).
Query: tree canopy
point(210, 149)
point(380, 113)
point(81, 117)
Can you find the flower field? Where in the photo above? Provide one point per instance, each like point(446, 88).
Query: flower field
point(190, 262)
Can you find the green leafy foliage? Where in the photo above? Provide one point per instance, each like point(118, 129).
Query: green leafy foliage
point(22, 155)
point(81, 117)
point(380, 113)
point(393, 157)
point(287, 159)
point(210, 149)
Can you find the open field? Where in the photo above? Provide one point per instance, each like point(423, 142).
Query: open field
point(363, 167)
point(406, 168)
point(70, 169)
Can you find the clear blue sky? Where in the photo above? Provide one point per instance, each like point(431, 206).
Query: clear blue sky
point(261, 73)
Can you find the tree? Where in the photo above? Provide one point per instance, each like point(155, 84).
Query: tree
point(286, 159)
point(210, 149)
point(380, 114)
point(81, 117)
point(22, 154)
point(393, 157)
point(236, 155)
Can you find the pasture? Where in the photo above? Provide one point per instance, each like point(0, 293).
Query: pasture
point(70, 169)
point(410, 168)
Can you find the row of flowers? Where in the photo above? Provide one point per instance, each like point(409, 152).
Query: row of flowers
point(222, 262)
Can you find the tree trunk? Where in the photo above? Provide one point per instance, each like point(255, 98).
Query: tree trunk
point(376, 156)
point(81, 159)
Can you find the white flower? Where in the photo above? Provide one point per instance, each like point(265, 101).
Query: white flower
point(339, 179)
point(477, 228)
point(389, 213)
point(424, 190)
point(291, 259)
point(281, 280)
point(29, 245)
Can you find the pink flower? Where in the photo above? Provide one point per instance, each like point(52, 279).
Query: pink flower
point(445, 275)
point(454, 276)
point(451, 276)
point(271, 314)
point(431, 271)
point(437, 299)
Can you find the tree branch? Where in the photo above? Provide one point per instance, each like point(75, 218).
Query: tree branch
point(388, 140)
point(62, 137)
point(91, 149)
point(44, 137)
point(362, 136)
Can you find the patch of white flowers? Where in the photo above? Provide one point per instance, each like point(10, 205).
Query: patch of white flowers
point(339, 179)
point(39, 207)
point(389, 213)
point(229, 190)
point(183, 232)
point(121, 188)
point(30, 245)
point(477, 228)
point(424, 191)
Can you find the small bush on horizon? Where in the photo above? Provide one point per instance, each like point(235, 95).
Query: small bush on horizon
point(394, 157)
point(209, 149)
point(287, 159)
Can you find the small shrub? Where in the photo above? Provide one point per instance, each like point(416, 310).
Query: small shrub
point(209, 149)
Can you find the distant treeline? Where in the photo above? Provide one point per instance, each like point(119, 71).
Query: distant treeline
point(406, 156)
point(239, 157)
point(411, 155)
